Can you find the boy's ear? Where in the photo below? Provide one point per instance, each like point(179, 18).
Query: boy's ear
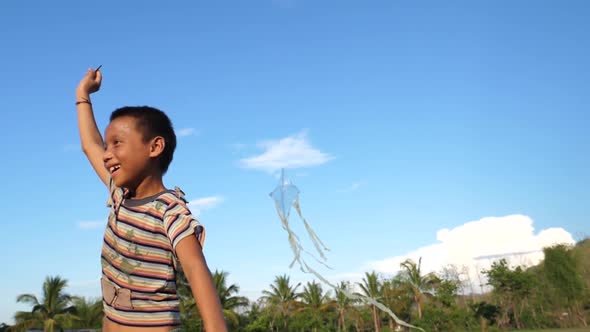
point(157, 146)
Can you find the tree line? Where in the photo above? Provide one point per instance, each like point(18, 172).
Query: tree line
point(552, 294)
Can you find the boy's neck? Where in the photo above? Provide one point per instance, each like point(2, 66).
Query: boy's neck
point(149, 186)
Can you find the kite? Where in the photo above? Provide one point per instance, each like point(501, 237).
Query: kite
point(286, 195)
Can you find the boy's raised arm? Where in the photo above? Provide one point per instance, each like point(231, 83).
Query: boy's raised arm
point(92, 143)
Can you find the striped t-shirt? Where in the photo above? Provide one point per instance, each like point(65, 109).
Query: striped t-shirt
point(139, 260)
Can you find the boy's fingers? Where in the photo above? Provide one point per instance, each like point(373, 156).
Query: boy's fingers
point(98, 76)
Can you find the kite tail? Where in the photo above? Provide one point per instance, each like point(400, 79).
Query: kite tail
point(297, 248)
point(317, 242)
point(293, 238)
point(295, 243)
point(359, 297)
point(379, 305)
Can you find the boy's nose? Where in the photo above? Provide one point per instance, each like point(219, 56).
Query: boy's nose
point(106, 156)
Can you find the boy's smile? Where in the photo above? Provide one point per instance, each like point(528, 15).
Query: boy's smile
point(114, 169)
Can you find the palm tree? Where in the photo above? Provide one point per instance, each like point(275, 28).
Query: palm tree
point(371, 288)
point(315, 302)
point(89, 312)
point(53, 311)
point(253, 314)
point(344, 305)
point(24, 320)
point(396, 296)
point(229, 302)
point(282, 298)
point(189, 314)
point(190, 317)
point(419, 284)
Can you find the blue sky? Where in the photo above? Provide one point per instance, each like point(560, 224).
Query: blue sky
point(401, 122)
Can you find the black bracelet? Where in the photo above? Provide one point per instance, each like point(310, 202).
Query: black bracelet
point(83, 102)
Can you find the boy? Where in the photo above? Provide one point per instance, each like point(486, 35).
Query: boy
point(150, 229)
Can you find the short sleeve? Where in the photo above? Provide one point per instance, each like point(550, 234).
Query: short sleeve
point(115, 193)
point(179, 223)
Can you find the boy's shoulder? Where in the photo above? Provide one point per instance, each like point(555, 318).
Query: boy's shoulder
point(173, 202)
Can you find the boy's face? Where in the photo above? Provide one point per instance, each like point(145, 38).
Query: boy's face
point(126, 155)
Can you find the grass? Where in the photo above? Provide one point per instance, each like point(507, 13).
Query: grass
point(579, 329)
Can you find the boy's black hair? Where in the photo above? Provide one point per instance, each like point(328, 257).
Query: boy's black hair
point(152, 122)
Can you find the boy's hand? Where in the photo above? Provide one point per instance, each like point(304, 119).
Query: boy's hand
point(90, 83)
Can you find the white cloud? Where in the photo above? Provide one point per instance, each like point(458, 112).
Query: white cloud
point(91, 224)
point(475, 245)
point(204, 203)
point(290, 152)
point(186, 132)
